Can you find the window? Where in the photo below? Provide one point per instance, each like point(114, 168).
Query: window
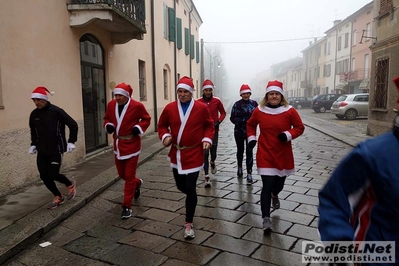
point(325, 48)
point(354, 38)
point(172, 24)
point(339, 43)
point(179, 34)
point(329, 48)
point(381, 83)
point(353, 66)
point(165, 85)
point(385, 6)
point(368, 31)
point(142, 81)
point(346, 40)
point(186, 41)
point(318, 72)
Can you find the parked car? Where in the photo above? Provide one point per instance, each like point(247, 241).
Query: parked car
point(323, 102)
point(300, 102)
point(350, 106)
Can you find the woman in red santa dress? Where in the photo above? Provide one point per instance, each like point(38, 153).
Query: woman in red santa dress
point(279, 123)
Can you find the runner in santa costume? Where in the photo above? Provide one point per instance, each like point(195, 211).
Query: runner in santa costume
point(279, 123)
point(187, 127)
point(218, 114)
point(127, 120)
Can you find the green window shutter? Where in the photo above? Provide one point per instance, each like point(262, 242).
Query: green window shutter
point(172, 24)
point(179, 37)
point(186, 41)
point(197, 52)
point(192, 51)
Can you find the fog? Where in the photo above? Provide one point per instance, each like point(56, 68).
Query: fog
point(245, 38)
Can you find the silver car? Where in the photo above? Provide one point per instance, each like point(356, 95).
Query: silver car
point(350, 106)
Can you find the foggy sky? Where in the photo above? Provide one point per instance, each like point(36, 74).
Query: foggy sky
point(254, 34)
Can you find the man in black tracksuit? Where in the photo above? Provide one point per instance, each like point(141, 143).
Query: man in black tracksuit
point(47, 126)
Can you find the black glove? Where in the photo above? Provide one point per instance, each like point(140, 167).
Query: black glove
point(252, 144)
point(110, 129)
point(135, 131)
point(217, 123)
point(282, 137)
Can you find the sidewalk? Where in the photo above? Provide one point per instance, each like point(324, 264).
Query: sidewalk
point(24, 217)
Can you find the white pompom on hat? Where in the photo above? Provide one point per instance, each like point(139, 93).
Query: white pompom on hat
point(41, 93)
point(186, 83)
point(274, 85)
point(208, 84)
point(245, 89)
point(123, 89)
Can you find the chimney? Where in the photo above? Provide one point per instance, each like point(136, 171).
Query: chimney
point(310, 43)
point(315, 40)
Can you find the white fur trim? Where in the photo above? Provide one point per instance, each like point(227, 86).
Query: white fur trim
point(208, 87)
point(185, 86)
point(274, 88)
point(121, 91)
point(245, 91)
point(39, 96)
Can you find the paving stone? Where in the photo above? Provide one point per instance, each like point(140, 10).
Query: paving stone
point(231, 244)
point(270, 238)
point(165, 195)
point(277, 256)
point(227, 228)
point(147, 241)
point(151, 185)
point(61, 235)
point(157, 228)
point(250, 207)
point(315, 222)
point(308, 209)
point(124, 223)
point(229, 259)
point(107, 232)
point(304, 199)
point(292, 216)
point(204, 200)
point(308, 185)
point(216, 193)
point(242, 187)
point(80, 218)
point(198, 255)
point(158, 215)
point(198, 222)
point(175, 262)
point(243, 196)
point(127, 255)
point(222, 214)
point(224, 203)
point(200, 236)
point(295, 189)
point(167, 205)
point(91, 247)
point(313, 192)
point(304, 232)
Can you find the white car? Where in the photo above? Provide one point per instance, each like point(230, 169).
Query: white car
point(350, 106)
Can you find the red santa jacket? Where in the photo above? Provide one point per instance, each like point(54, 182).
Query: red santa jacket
point(274, 157)
point(215, 107)
point(134, 114)
point(188, 132)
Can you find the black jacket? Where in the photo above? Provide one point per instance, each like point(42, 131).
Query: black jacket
point(47, 129)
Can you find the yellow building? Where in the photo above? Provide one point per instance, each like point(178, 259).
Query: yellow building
point(80, 49)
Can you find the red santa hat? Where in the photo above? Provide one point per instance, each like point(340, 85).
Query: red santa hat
point(186, 83)
point(274, 85)
point(208, 85)
point(41, 93)
point(123, 89)
point(245, 89)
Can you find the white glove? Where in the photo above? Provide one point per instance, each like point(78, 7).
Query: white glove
point(32, 149)
point(70, 147)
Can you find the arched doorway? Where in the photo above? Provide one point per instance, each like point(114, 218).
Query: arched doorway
point(93, 92)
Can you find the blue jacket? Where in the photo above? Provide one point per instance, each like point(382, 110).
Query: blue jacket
point(364, 187)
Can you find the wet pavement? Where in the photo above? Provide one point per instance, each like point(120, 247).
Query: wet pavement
point(227, 223)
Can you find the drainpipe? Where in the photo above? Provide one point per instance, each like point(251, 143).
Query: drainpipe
point(189, 39)
point(154, 79)
point(175, 57)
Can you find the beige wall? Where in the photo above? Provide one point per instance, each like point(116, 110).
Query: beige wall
point(39, 48)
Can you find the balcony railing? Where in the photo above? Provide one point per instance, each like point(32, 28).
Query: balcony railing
point(305, 84)
point(355, 75)
point(124, 19)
